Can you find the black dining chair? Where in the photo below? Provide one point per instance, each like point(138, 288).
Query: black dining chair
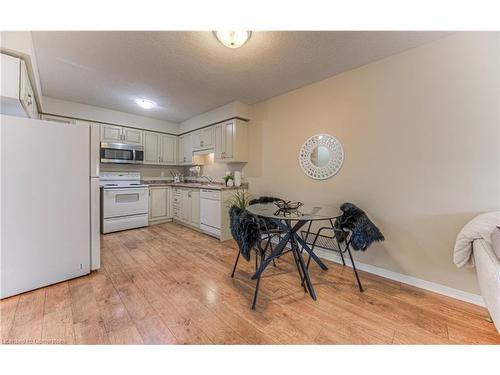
point(352, 229)
point(268, 229)
point(246, 230)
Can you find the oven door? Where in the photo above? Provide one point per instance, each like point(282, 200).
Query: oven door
point(124, 202)
point(121, 153)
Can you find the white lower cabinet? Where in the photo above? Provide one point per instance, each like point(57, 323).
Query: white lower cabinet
point(186, 206)
point(194, 197)
point(159, 203)
point(203, 209)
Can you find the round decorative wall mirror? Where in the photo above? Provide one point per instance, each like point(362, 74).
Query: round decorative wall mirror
point(321, 156)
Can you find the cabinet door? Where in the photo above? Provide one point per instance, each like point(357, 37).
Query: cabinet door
point(111, 133)
point(151, 148)
point(167, 146)
point(196, 140)
point(184, 149)
point(188, 149)
point(219, 142)
point(228, 140)
point(185, 206)
point(195, 208)
point(207, 137)
point(132, 136)
point(158, 202)
point(10, 73)
point(26, 94)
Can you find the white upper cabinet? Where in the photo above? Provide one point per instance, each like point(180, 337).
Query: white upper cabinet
point(159, 148)
point(231, 141)
point(120, 134)
point(168, 149)
point(185, 149)
point(111, 133)
point(132, 136)
point(151, 148)
point(203, 139)
point(17, 95)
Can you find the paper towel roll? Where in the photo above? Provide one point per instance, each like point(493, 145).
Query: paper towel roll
point(237, 178)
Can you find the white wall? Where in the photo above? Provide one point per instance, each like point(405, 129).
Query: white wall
point(99, 114)
point(421, 135)
point(234, 109)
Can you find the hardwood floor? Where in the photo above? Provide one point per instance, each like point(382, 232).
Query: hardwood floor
point(167, 284)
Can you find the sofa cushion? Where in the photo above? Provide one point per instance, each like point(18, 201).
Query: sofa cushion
point(495, 241)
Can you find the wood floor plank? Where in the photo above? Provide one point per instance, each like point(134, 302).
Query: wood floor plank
point(28, 320)
point(167, 284)
point(8, 308)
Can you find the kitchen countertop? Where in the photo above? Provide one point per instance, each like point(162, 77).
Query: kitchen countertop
point(193, 185)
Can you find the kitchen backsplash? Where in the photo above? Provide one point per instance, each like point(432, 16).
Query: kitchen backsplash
point(215, 171)
point(145, 170)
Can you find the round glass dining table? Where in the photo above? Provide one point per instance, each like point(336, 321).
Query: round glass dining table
point(290, 222)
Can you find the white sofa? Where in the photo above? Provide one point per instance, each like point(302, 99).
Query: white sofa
point(488, 275)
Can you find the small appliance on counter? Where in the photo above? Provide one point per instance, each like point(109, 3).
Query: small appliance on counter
point(124, 201)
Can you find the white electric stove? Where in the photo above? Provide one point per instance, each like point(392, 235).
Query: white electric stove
point(124, 201)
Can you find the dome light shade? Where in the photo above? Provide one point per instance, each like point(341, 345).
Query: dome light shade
point(233, 39)
point(145, 103)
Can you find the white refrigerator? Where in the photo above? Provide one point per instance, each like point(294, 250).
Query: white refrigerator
point(48, 209)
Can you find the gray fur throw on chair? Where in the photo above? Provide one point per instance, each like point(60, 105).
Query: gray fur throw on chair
point(364, 232)
point(245, 229)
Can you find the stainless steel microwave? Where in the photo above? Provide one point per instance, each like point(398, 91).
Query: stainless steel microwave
point(121, 153)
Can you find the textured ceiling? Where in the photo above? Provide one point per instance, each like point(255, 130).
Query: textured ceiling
point(188, 73)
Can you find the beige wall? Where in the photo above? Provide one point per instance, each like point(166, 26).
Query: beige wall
point(420, 131)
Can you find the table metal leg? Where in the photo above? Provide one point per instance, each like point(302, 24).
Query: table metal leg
point(305, 271)
point(310, 252)
point(276, 253)
point(292, 237)
point(295, 249)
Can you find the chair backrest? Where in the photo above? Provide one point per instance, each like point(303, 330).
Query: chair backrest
point(245, 229)
point(263, 199)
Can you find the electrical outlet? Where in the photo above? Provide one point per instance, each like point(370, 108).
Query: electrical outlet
point(162, 174)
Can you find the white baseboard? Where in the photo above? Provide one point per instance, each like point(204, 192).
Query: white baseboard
point(410, 280)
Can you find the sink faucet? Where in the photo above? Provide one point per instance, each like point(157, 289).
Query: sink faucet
point(209, 179)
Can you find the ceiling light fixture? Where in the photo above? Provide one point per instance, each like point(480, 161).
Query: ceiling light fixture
point(144, 103)
point(233, 39)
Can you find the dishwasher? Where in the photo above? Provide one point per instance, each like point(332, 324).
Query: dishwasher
point(210, 212)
